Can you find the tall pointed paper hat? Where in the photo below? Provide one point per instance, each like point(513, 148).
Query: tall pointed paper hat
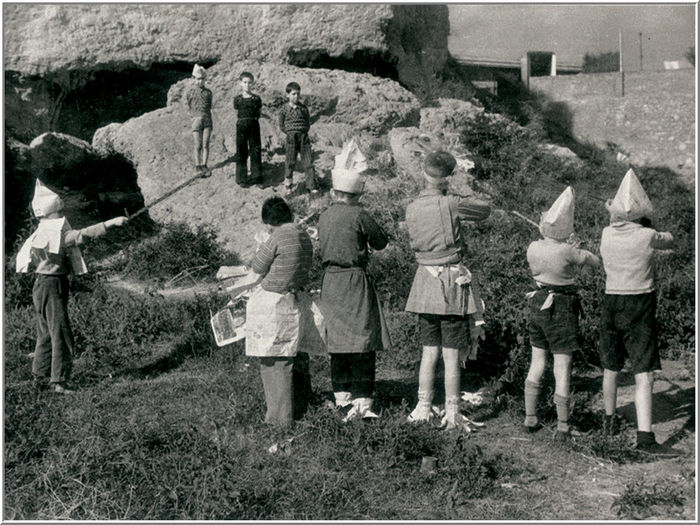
point(631, 201)
point(558, 221)
point(199, 72)
point(350, 163)
point(45, 201)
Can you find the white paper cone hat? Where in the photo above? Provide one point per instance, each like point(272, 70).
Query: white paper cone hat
point(631, 201)
point(350, 163)
point(199, 72)
point(45, 201)
point(558, 221)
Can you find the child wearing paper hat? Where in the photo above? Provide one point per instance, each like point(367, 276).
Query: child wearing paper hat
point(628, 317)
point(52, 250)
point(355, 328)
point(440, 290)
point(554, 308)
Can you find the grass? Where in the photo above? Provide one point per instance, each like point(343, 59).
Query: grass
point(167, 426)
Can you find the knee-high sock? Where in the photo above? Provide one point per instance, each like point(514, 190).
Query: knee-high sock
point(562, 404)
point(532, 395)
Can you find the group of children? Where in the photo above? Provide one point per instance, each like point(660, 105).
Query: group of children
point(294, 122)
point(353, 325)
point(281, 325)
point(628, 313)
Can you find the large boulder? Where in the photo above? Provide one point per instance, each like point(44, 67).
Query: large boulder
point(42, 39)
point(56, 55)
point(159, 143)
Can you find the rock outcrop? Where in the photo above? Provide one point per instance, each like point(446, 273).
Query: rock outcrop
point(52, 51)
point(159, 143)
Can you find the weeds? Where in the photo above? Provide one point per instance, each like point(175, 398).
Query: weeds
point(644, 499)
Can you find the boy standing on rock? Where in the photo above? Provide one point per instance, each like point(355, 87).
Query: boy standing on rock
point(295, 122)
point(198, 100)
point(628, 319)
point(439, 294)
point(354, 323)
point(248, 106)
point(554, 308)
point(53, 252)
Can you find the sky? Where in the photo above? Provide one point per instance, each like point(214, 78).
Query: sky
point(506, 32)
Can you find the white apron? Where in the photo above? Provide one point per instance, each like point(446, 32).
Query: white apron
point(280, 325)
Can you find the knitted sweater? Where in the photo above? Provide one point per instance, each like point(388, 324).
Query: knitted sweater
point(554, 262)
point(627, 249)
point(295, 118)
point(198, 101)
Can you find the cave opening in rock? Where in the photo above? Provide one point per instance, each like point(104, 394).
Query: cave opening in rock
point(381, 64)
point(116, 96)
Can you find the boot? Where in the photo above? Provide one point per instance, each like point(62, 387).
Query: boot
point(646, 442)
point(424, 408)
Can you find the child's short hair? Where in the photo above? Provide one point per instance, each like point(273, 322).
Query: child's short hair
point(246, 74)
point(275, 211)
point(292, 86)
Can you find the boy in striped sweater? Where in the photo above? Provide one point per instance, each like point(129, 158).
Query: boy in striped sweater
point(295, 122)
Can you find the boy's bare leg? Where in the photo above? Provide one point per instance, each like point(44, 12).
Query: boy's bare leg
point(426, 380)
point(643, 400)
point(450, 357)
point(206, 135)
point(197, 147)
point(562, 377)
point(609, 391)
point(532, 385)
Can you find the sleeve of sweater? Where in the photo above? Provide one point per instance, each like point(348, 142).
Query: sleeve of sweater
point(282, 118)
point(376, 237)
point(307, 116)
point(662, 241)
point(264, 257)
point(235, 103)
point(473, 209)
point(258, 106)
point(77, 237)
point(581, 257)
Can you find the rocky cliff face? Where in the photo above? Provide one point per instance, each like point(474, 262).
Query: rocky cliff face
point(115, 75)
point(53, 51)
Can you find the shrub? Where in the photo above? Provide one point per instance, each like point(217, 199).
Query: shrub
point(175, 249)
point(644, 498)
point(601, 62)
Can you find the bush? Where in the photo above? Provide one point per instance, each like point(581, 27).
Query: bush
point(601, 62)
point(175, 249)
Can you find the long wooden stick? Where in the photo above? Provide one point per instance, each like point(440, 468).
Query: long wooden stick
point(165, 196)
point(530, 221)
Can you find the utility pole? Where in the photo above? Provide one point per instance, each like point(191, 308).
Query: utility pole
point(641, 59)
point(622, 73)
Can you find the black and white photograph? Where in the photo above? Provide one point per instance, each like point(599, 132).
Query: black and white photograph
point(391, 262)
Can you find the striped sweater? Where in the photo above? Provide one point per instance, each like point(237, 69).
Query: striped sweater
point(284, 259)
point(295, 118)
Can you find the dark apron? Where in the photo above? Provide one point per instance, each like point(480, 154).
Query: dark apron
point(353, 317)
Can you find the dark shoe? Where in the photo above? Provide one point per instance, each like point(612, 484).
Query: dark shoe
point(646, 442)
point(62, 388)
point(531, 429)
point(562, 437)
point(658, 450)
point(205, 171)
point(40, 383)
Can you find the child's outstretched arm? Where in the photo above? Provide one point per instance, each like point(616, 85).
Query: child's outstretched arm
point(473, 210)
point(376, 236)
point(77, 237)
point(584, 257)
point(662, 241)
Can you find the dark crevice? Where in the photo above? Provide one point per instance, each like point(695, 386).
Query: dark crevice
point(111, 96)
point(378, 63)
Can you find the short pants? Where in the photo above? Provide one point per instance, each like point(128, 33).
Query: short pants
point(448, 331)
point(628, 330)
point(201, 122)
point(555, 328)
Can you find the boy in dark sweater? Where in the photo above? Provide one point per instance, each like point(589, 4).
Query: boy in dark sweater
point(295, 124)
point(248, 105)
